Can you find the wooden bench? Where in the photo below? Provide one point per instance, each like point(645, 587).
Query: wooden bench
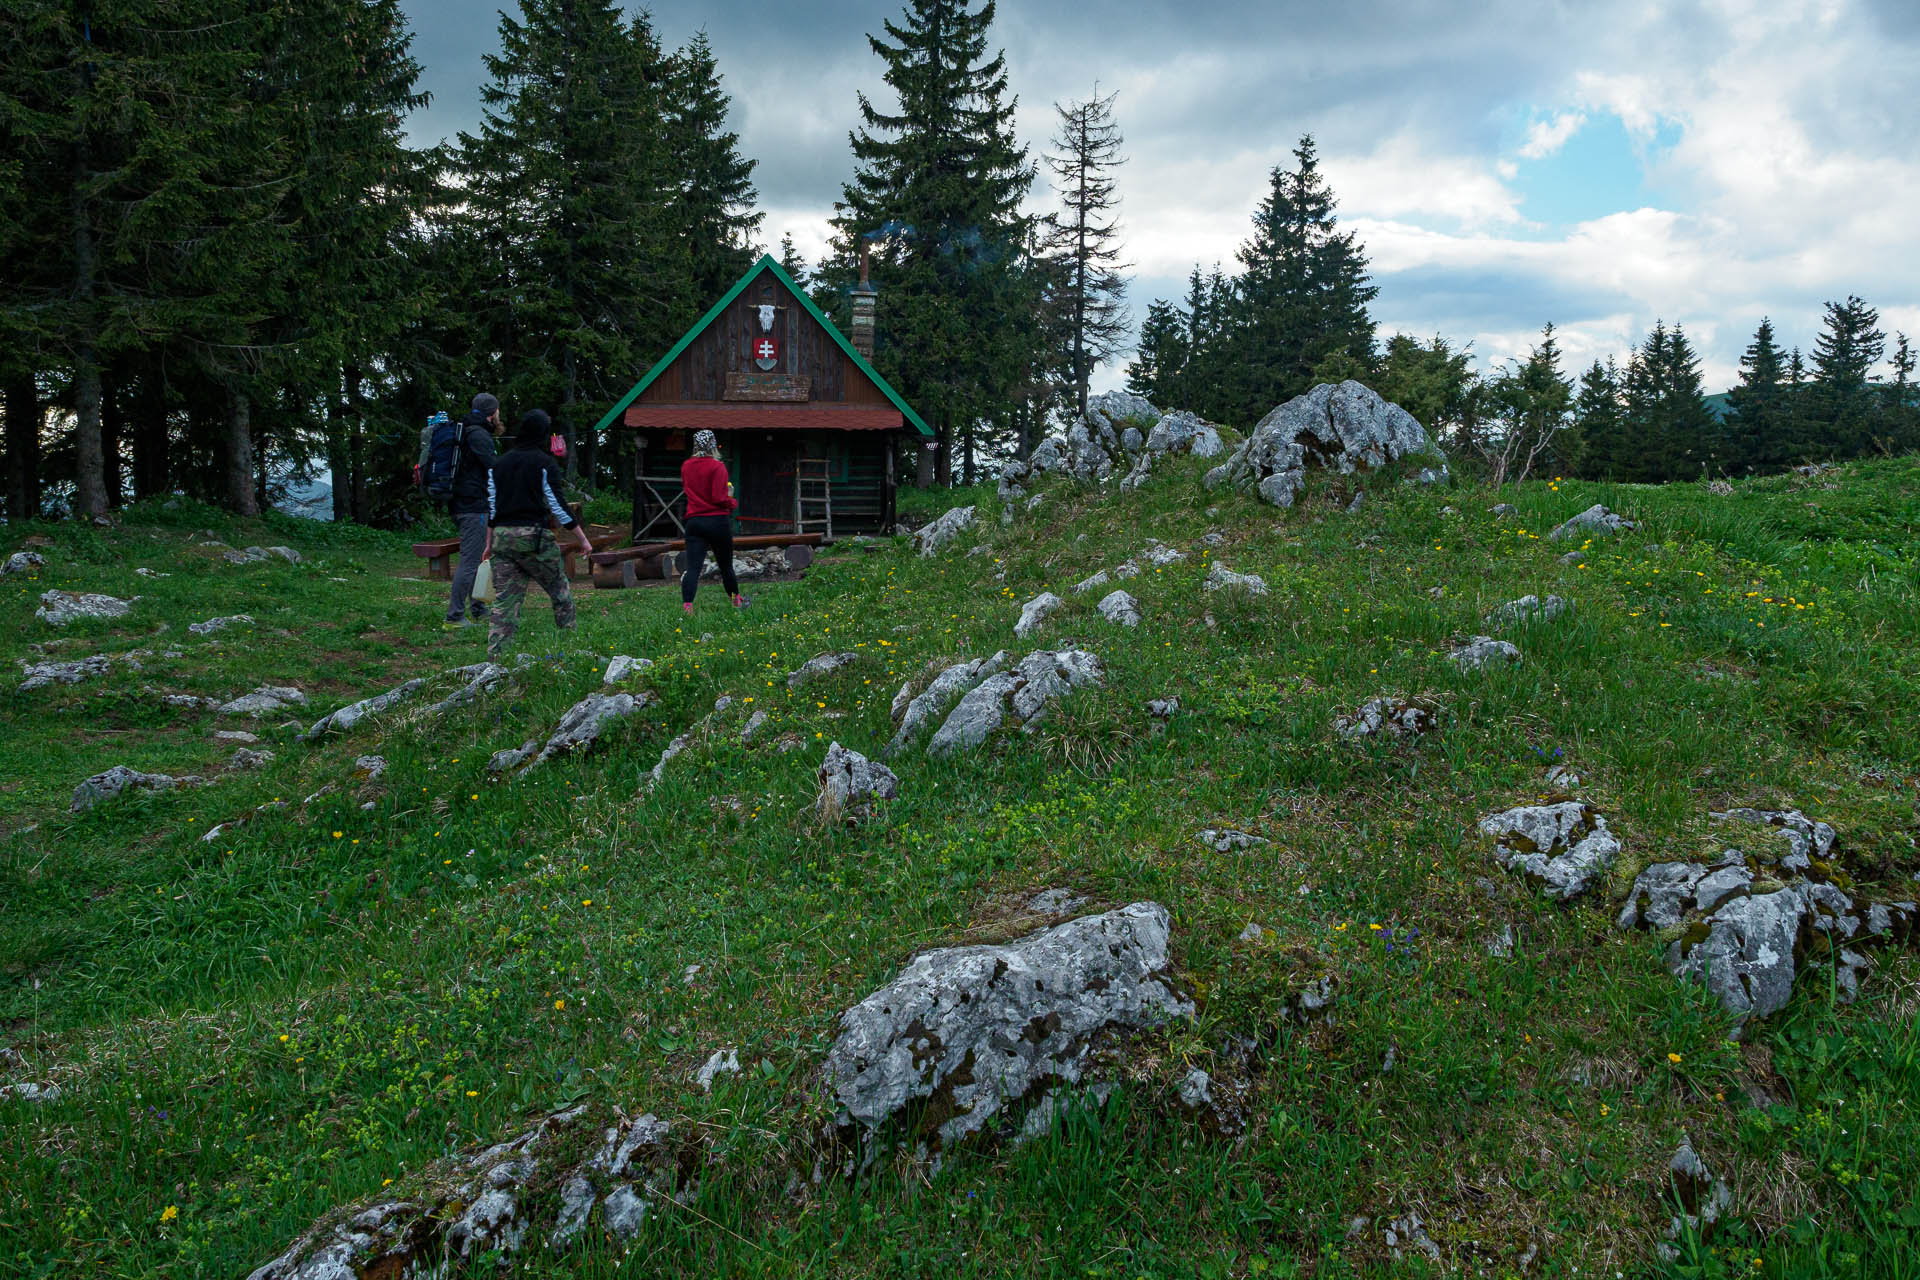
point(627, 565)
point(439, 555)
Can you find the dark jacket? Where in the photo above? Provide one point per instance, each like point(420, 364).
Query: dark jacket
point(476, 460)
point(527, 484)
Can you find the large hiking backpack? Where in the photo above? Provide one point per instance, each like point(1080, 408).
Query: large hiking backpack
point(443, 459)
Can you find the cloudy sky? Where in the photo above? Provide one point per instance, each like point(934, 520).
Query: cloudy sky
point(1597, 163)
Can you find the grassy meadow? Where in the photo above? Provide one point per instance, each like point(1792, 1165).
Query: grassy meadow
point(362, 977)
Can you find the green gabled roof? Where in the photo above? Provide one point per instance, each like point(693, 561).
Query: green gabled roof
point(766, 263)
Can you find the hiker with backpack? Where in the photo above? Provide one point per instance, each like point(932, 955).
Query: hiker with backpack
point(459, 472)
point(525, 496)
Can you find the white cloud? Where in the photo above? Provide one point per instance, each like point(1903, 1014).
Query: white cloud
point(1547, 136)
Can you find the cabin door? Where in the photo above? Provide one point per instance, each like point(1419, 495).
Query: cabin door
point(763, 481)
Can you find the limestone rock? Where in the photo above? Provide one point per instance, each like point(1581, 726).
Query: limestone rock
point(212, 625)
point(1221, 578)
point(285, 553)
point(481, 678)
point(508, 759)
point(584, 722)
point(1396, 717)
point(1528, 608)
point(264, 700)
point(1483, 651)
point(348, 716)
point(1227, 840)
point(245, 759)
point(1126, 569)
point(814, 668)
point(58, 608)
point(1159, 555)
point(755, 723)
point(1055, 902)
point(1341, 428)
point(722, 1062)
point(38, 675)
point(963, 1032)
point(23, 562)
point(1595, 522)
point(1503, 509)
point(949, 526)
point(1120, 609)
point(850, 783)
point(621, 667)
point(118, 779)
point(1565, 847)
point(1163, 708)
point(1805, 838)
point(1034, 613)
point(1020, 695)
point(1087, 584)
point(30, 1091)
point(369, 768)
point(913, 712)
point(1703, 1199)
point(1747, 956)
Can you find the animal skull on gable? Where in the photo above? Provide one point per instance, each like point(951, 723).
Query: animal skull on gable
point(766, 317)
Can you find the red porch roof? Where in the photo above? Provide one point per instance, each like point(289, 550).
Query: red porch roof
point(756, 416)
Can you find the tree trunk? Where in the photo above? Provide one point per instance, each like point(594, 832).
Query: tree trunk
point(149, 420)
point(357, 445)
point(113, 430)
point(89, 468)
point(239, 486)
point(966, 469)
point(337, 465)
point(24, 420)
point(943, 456)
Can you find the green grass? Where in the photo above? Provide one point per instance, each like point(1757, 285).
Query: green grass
point(251, 1031)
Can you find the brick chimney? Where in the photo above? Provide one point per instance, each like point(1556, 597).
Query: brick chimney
point(864, 299)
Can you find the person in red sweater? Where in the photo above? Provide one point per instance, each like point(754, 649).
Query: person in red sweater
point(710, 508)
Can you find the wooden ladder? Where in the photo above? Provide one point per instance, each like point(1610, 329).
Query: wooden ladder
point(813, 498)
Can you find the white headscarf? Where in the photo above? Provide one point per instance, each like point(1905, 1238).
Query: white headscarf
point(706, 444)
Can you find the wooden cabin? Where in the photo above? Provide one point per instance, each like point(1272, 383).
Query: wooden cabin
point(809, 431)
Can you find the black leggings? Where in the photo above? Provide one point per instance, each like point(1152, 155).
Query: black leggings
point(704, 532)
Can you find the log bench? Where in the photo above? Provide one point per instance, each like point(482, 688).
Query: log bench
point(627, 565)
point(441, 552)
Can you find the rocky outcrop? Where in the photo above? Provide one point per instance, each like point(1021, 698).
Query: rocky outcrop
point(1122, 435)
point(58, 608)
point(1121, 609)
point(481, 678)
point(348, 716)
point(621, 667)
point(1526, 609)
point(578, 730)
point(966, 1037)
point(951, 524)
point(268, 698)
point(212, 625)
point(493, 1203)
point(1595, 522)
point(850, 783)
point(1565, 848)
point(814, 668)
point(913, 711)
point(120, 779)
point(1221, 578)
point(1019, 696)
point(259, 555)
point(1392, 716)
point(1746, 922)
point(1344, 428)
point(23, 562)
point(1033, 614)
point(38, 675)
point(1483, 651)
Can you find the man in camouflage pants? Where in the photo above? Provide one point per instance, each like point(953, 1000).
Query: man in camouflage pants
point(521, 555)
point(525, 497)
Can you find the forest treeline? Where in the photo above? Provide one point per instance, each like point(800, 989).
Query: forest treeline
point(227, 267)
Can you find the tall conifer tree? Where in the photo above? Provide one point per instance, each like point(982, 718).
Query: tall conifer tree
point(1843, 409)
point(1754, 435)
point(715, 194)
point(1084, 239)
point(942, 176)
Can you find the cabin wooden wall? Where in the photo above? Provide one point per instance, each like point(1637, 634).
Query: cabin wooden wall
point(699, 373)
point(859, 478)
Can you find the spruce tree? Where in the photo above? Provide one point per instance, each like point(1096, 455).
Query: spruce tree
point(794, 263)
point(1433, 381)
point(1754, 435)
point(942, 176)
point(1599, 418)
point(1667, 427)
point(1160, 355)
point(1900, 410)
point(1084, 239)
point(715, 193)
point(570, 185)
point(1843, 409)
point(1301, 296)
